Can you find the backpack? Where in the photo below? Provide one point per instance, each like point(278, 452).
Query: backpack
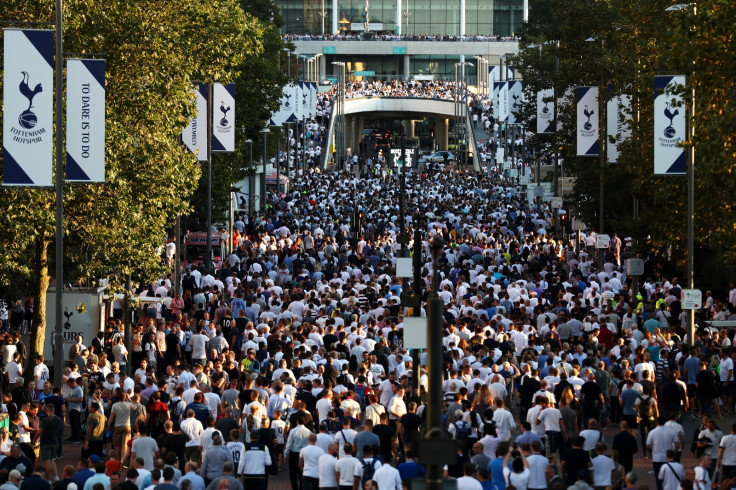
point(137, 414)
point(462, 431)
point(361, 392)
point(369, 469)
point(645, 408)
point(161, 417)
point(174, 412)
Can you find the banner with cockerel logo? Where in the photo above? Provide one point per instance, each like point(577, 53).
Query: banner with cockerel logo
point(28, 97)
point(588, 119)
point(670, 126)
point(223, 117)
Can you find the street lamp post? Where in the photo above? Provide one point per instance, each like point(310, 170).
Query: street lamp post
point(288, 61)
point(339, 116)
point(601, 147)
point(264, 132)
point(251, 181)
point(690, 266)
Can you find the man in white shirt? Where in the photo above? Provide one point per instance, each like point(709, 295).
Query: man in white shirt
point(554, 426)
point(702, 479)
point(387, 477)
point(603, 467)
point(40, 373)
point(199, 347)
point(324, 405)
point(396, 408)
point(345, 436)
point(309, 462)
point(193, 429)
point(345, 468)
point(671, 473)
point(504, 420)
point(368, 461)
point(326, 465)
point(659, 441)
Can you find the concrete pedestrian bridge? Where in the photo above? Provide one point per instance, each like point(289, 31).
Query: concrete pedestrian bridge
point(402, 107)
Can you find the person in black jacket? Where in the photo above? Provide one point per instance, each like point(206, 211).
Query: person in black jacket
point(625, 445)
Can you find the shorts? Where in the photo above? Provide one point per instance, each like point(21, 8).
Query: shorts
point(691, 391)
point(121, 436)
point(631, 421)
point(192, 453)
point(48, 452)
point(725, 390)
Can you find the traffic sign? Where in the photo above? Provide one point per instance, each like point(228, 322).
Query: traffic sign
point(524, 180)
point(409, 157)
point(602, 241)
point(556, 202)
point(415, 332)
point(692, 299)
point(634, 267)
point(578, 225)
point(404, 267)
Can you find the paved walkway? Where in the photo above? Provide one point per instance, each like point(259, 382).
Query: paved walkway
point(641, 466)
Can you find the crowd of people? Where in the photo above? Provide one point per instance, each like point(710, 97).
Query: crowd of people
point(395, 37)
point(290, 359)
point(400, 88)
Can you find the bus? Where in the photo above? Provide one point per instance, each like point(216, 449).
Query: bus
point(195, 249)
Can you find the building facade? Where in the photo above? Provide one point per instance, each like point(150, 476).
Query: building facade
point(401, 39)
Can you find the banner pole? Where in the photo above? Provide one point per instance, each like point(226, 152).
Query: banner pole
point(59, 135)
point(210, 122)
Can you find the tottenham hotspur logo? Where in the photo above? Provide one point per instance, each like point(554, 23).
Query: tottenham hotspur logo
point(669, 131)
point(27, 118)
point(223, 121)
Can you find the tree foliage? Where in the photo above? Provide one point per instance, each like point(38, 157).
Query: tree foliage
point(257, 95)
point(629, 43)
point(154, 51)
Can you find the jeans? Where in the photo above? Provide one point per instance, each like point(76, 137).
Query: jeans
point(75, 420)
point(310, 483)
point(294, 474)
point(59, 442)
point(644, 427)
point(657, 466)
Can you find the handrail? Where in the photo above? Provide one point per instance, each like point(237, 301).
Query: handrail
point(330, 137)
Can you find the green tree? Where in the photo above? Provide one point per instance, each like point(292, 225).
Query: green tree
point(257, 95)
point(154, 51)
point(632, 42)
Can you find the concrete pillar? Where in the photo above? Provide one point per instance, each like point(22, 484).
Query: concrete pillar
point(398, 17)
point(322, 69)
point(443, 133)
point(526, 10)
point(411, 128)
point(462, 17)
point(407, 67)
point(361, 126)
point(335, 18)
point(354, 139)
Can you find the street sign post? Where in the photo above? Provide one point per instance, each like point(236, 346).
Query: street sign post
point(692, 299)
point(634, 267)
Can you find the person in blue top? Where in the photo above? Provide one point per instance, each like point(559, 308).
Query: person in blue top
point(692, 368)
point(628, 398)
point(495, 467)
point(411, 468)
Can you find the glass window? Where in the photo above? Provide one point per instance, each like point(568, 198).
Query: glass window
point(425, 17)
